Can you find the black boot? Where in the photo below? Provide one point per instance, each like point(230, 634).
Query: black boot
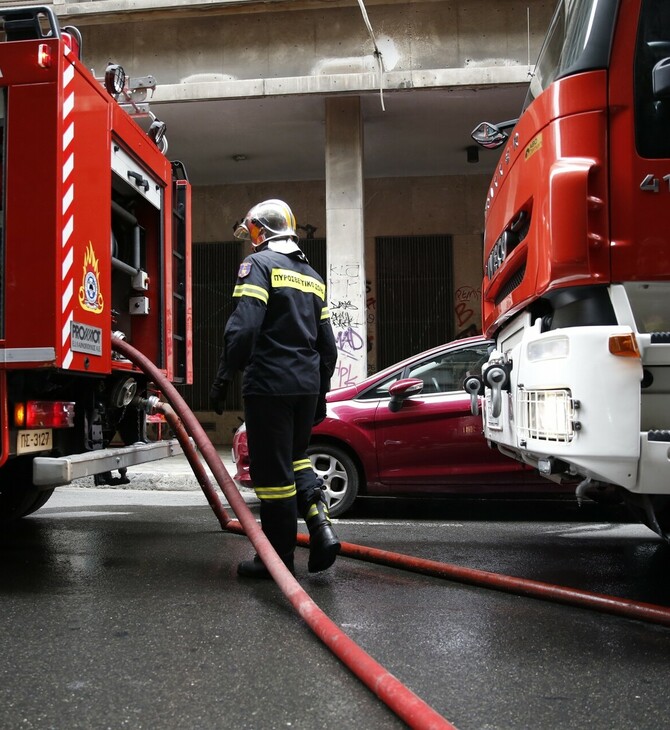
point(323, 543)
point(255, 568)
point(279, 523)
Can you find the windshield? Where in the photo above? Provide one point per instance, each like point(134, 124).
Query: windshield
point(578, 39)
point(652, 111)
point(3, 117)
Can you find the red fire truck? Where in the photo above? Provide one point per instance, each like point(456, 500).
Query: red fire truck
point(576, 289)
point(94, 240)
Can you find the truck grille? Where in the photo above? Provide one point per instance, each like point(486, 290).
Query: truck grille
point(514, 281)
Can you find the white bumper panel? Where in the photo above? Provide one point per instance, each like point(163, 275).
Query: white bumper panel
point(654, 466)
point(606, 445)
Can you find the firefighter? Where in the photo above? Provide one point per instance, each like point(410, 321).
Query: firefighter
point(280, 335)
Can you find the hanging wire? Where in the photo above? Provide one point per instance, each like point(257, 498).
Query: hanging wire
point(530, 73)
point(377, 52)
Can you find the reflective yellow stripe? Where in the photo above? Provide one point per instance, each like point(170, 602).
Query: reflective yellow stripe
point(302, 282)
point(288, 214)
point(325, 314)
point(250, 290)
point(302, 464)
point(313, 512)
point(275, 492)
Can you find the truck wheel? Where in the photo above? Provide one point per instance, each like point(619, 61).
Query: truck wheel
point(40, 500)
point(661, 505)
point(18, 495)
point(339, 473)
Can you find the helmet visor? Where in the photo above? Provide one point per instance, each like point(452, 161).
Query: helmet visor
point(242, 232)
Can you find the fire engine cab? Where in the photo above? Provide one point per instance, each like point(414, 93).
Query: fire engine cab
point(576, 288)
point(94, 241)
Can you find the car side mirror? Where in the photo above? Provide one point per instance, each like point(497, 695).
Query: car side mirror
point(403, 389)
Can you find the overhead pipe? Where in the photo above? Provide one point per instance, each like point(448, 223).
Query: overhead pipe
point(401, 700)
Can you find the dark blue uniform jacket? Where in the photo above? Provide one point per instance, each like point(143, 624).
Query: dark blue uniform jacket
point(279, 333)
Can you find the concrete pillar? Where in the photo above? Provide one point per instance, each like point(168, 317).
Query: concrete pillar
point(345, 237)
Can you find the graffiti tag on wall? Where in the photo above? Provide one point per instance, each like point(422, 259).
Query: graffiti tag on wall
point(466, 308)
point(347, 317)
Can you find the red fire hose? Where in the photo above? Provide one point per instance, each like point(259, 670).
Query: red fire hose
point(402, 701)
point(537, 589)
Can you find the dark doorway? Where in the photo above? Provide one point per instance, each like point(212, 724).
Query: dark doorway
point(415, 296)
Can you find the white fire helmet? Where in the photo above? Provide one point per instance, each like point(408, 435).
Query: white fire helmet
point(266, 221)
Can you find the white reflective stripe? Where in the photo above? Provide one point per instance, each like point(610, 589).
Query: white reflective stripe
point(67, 231)
point(68, 75)
point(68, 105)
point(68, 207)
point(68, 198)
point(68, 166)
point(68, 136)
point(66, 328)
point(28, 354)
point(67, 295)
point(67, 262)
point(67, 299)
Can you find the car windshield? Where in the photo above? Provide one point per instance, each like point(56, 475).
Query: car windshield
point(441, 373)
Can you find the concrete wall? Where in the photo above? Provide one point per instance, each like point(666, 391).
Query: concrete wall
point(220, 43)
point(393, 207)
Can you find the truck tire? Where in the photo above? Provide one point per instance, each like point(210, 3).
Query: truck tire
point(40, 500)
point(340, 476)
point(18, 495)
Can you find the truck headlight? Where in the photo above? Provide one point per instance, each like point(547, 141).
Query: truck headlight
point(547, 415)
point(548, 348)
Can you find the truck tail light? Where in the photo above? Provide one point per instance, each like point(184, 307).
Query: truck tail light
point(44, 55)
point(44, 414)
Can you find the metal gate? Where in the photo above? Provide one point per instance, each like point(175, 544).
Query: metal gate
point(214, 272)
point(415, 295)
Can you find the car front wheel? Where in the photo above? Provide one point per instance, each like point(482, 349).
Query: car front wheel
point(339, 474)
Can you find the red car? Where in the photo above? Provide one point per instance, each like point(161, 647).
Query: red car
point(408, 431)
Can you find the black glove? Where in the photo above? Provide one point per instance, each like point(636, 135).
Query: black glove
point(217, 396)
point(320, 413)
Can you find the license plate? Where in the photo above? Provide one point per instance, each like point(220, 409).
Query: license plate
point(492, 423)
point(40, 439)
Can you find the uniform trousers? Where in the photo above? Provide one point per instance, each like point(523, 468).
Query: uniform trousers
point(278, 432)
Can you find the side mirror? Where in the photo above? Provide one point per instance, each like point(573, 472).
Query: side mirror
point(403, 389)
point(661, 78)
point(492, 136)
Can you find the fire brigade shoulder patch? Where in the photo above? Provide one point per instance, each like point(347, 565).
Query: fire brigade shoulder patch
point(244, 270)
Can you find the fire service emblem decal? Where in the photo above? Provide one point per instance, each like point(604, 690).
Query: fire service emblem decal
point(90, 297)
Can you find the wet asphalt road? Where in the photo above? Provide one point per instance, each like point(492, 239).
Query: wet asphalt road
point(121, 609)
